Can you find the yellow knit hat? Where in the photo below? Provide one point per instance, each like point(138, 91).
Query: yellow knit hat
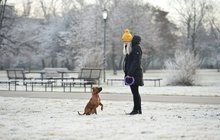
point(127, 37)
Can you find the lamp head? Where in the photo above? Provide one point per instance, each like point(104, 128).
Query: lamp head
point(104, 14)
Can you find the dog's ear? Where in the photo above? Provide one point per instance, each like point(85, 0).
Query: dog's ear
point(100, 89)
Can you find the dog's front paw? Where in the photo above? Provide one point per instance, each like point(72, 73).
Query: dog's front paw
point(102, 108)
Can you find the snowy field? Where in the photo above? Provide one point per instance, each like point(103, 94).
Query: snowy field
point(57, 119)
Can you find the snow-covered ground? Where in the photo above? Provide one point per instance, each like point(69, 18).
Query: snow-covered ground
point(57, 119)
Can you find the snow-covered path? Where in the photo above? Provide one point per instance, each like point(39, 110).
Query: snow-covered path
point(116, 97)
point(27, 118)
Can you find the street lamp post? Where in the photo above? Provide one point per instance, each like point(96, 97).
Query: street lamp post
point(104, 16)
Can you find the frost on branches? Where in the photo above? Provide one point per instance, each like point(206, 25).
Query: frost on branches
point(181, 70)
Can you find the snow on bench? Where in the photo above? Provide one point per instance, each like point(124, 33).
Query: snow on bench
point(34, 82)
point(87, 76)
point(16, 74)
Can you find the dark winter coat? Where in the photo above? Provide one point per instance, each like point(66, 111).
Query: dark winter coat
point(132, 62)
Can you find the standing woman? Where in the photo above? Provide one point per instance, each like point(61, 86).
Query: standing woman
point(133, 70)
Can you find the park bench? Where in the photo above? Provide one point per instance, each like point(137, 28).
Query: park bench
point(56, 74)
point(9, 82)
point(33, 82)
point(16, 74)
point(48, 78)
point(111, 80)
point(155, 80)
point(86, 77)
point(53, 72)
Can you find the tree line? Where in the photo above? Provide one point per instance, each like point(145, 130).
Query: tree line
point(69, 33)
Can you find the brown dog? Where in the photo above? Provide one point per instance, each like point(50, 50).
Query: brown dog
point(94, 102)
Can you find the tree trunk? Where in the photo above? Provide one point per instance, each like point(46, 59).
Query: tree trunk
point(120, 66)
point(43, 63)
point(218, 67)
point(113, 59)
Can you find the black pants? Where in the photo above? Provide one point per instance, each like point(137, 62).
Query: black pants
point(136, 97)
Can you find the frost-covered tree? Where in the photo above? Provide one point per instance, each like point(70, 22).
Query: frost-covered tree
point(181, 70)
point(75, 39)
point(192, 15)
point(157, 32)
point(27, 5)
point(85, 35)
point(214, 35)
point(35, 43)
point(199, 33)
point(7, 16)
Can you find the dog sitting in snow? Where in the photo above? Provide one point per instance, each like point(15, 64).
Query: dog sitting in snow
point(94, 102)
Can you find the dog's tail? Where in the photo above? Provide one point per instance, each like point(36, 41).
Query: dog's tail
point(80, 113)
